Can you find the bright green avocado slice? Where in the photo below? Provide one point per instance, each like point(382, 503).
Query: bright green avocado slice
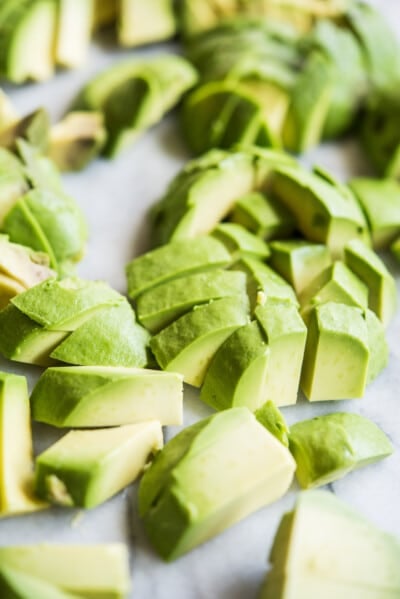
point(328, 447)
point(18, 585)
point(263, 215)
point(240, 242)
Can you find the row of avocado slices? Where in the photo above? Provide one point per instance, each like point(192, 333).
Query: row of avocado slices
point(60, 30)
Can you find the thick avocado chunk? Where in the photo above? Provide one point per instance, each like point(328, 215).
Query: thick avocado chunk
point(380, 200)
point(73, 32)
point(326, 549)
point(286, 336)
point(299, 261)
point(18, 585)
point(145, 22)
point(160, 306)
point(188, 345)
point(96, 396)
point(240, 242)
point(16, 458)
point(111, 337)
point(367, 265)
point(85, 571)
point(337, 355)
point(324, 212)
point(378, 346)
point(272, 419)
point(328, 447)
point(263, 215)
point(174, 260)
point(34, 129)
point(85, 468)
point(210, 476)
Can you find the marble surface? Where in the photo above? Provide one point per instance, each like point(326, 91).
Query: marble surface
point(115, 197)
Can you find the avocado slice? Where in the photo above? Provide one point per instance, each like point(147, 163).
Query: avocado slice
point(77, 140)
point(85, 468)
point(324, 548)
point(378, 345)
point(273, 420)
point(188, 345)
point(34, 129)
point(337, 355)
point(324, 212)
point(372, 271)
point(328, 447)
point(299, 261)
point(145, 22)
point(240, 242)
point(85, 571)
point(380, 200)
point(222, 455)
point(174, 260)
point(17, 585)
point(16, 453)
point(160, 306)
point(73, 32)
point(99, 396)
point(8, 114)
point(263, 215)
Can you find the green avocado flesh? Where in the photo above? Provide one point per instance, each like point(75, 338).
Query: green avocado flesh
point(263, 216)
point(18, 585)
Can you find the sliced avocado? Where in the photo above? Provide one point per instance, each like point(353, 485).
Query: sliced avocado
point(33, 128)
point(85, 468)
point(97, 396)
point(273, 420)
point(77, 140)
point(263, 215)
point(160, 306)
point(188, 345)
point(234, 458)
point(380, 200)
point(111, 337)
point(85, 571)
point(40, 171)
point(328, 447)
point(240, 242)
point(324, 212)
point(286, 336)
point(337, 355)
point(8, 114)
point(174, 260)
point(73, 32)
point(16, 453)
point(145, 22)
point(299, 261)
point(18, 585)
point(367, 265)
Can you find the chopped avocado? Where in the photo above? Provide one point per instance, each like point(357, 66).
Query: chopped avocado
point(286, 336)
point(174, 260)
point(299, 261)
point(188, 345)
point(96, 396)
point(111, 337)
point(40, 171)
point(199, 16)
point(8, 114)
point(337, 355)
point(324, 212)
point(326, 549)
point(160, 306)
point(328, 447)
point(85, 571)
point(371, 270)
point(73, 33)
point(272, 419)
point(240, 242)
point(380, 200)
point(210, 476)
point(85, 468)
point(263, 215)
point(145, 22)
point(9, 288)
point(378, 346)
point(33, 128)
point(18, 585)
point(13, 183)
point(16, 459)
point(76, 140)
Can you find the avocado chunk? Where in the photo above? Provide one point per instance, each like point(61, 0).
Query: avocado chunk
point(33, 128)
point(9, 288)
point(73, 32)
point(323, 548)
point(145, 22)
point(298, 261)
point(188, 345)
point(263, 215)
point(13, 183)
point(367, 265)
point(380, 200)
point(17, 585)
point(100, 396)
point(174, 260)
point(337, 355)
point(40, 171)
point(26, 24)
point(324, 212)
point(238, 241)
point(378, 346)
point(273, 420)
point(328, 447)
point(211, 475)
point(85, 468)
point(85, 571)
point(160, 306)
point(16, 459)
point(8, 114)
point(77, 140)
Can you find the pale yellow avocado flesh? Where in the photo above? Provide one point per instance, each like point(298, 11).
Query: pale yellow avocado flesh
point(74, 27)
point(143, 22)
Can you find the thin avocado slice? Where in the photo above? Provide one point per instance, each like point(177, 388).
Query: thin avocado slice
point(263, 215)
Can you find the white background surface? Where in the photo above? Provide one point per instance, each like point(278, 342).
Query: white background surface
point(115, 197)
